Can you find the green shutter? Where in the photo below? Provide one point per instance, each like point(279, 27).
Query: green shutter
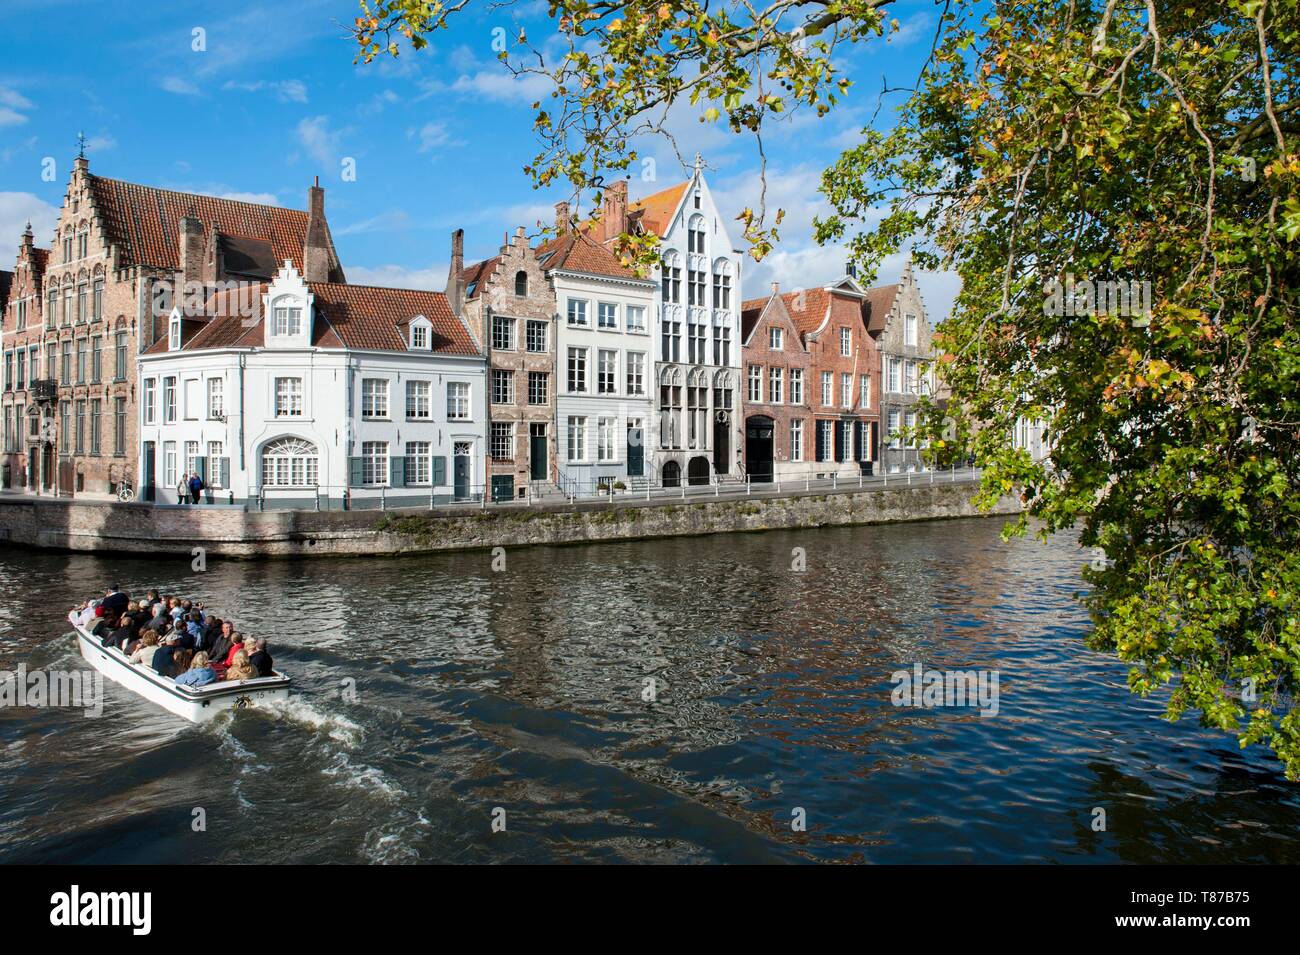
point(201, 465)
point(354, 472)
point(223, 471)
point(439, 470)
point(397, 471)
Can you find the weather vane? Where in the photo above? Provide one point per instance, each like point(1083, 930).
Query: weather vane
point(81, 143)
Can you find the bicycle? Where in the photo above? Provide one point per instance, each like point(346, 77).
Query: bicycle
point(125, 492)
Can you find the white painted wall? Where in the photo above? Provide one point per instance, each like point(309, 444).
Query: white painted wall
point(621, 405)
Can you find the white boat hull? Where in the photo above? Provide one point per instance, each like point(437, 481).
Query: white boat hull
point(195, 704)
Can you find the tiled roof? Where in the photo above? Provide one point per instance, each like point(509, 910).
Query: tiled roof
point(348, 316)
point(877, 304)
point(654, 212)
point(749, 314)
point(476, 276)
point(578, 252)
point(143, 222)
point(807, 308)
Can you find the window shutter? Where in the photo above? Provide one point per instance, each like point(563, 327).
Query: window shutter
point(439, 470)
point(223, 472)
point(397, 471)
point(201, 466)
point(354, 472)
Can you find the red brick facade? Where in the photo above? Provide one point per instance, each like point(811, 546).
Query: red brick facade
point(833, 422)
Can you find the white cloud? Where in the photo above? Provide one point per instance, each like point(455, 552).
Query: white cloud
point(181, 87)
point(16, 210)
point(99, 144)
point(14, 99)
point(394, 219)
point(286, 91)
point(320, 142)
point(12, 150)
point(259, 198)
point(494, 83)
point(11, 101)
point(430, 136)
point(433, 278)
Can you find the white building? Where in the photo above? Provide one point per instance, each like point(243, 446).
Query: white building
point(297, 394)
point(605, 358)
point(697, 428)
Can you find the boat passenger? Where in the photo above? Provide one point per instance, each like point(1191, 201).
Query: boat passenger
point(103, 627)
point(159, 618)
point(261, 659)
point(164, 658)
point(221, 645)
point(242, 643)
point(194, 632)
point(240, 669)
point(200, 672)
point(148, 646)
point(115, 600)
point(88, 612)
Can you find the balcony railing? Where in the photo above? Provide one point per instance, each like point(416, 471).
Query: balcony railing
point(45, 389)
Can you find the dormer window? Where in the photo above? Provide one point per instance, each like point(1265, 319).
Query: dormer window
point(174, 333)
point(288, 320)
point(521, 283)
point(421, 334)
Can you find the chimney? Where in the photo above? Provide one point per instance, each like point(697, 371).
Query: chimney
point(562, 217)
point(455, 285)
point(192, 244)
point(28, 238)
point(776, 288)
point(316, 244)
point(851, 270)
point(614, 209)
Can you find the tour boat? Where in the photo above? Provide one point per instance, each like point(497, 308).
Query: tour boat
point(196, 704)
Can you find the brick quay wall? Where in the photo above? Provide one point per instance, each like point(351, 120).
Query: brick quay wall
point(103, 527)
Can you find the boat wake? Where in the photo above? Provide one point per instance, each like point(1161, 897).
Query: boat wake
point(334, 725)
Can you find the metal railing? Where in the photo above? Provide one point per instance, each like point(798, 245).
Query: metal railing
point(572, 490)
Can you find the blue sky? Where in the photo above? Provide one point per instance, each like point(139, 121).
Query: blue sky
point(439, 137)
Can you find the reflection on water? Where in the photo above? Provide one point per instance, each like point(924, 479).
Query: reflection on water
point(432, 690)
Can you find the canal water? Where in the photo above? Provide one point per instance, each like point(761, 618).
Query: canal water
point(436, 695)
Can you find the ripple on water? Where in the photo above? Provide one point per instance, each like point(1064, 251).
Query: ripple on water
point(677, 700)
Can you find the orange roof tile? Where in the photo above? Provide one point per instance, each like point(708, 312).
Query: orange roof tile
point(348, 316)
point(143, 221)
point(877, 304)
point(654, 212)
point(578, 252)
point(476, 276)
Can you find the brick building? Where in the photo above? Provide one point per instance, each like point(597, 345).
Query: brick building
point(906, 350)
point(19, 467)
point(120, 252)
point(840, 386)
point(509, 307)
point(777, 407)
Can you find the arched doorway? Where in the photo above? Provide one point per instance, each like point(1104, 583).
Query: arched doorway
point(697, 471)
point(759, 463)
point(672, 474)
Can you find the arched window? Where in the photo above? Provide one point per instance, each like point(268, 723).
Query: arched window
point(695, 235)
point(672, 277)
point(521, 283)
point(290, 462)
